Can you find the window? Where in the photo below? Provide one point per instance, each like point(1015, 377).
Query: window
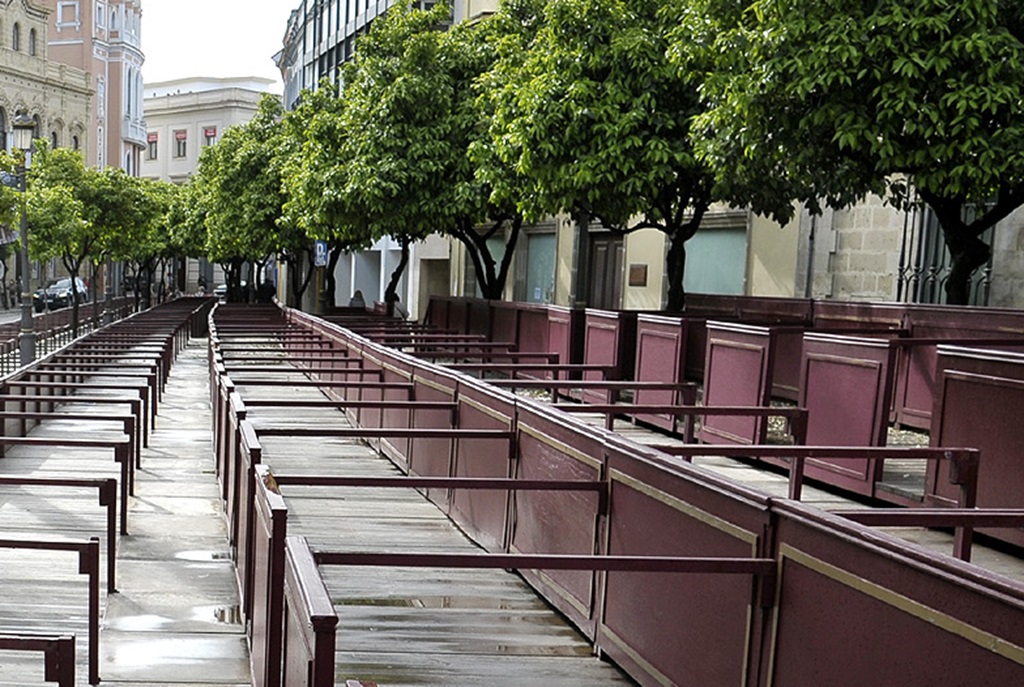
point(101, 97)
point(16, 38)
point(67, 16)
point(153, 141)
point(180, 143)
point(75, 145)
point(101, 15)
point(32, 42)
point(209, 135)
point(53, 140)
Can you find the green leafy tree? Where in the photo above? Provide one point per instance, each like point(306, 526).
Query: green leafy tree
point(137, 212)
point(839, 98)
point(10, 213)
point(238, 182)
point(62, 214)
point(386, 159)
point(599, 118)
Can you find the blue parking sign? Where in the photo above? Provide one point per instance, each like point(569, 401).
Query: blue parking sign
point(320, 254)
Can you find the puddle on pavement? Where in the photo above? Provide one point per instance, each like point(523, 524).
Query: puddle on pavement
point(203, 555)
point(139, 623)
point(224, 615)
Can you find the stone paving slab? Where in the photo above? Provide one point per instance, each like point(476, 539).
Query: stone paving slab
point(176, 620)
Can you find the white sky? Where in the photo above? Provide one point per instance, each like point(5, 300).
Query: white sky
point(219, 38)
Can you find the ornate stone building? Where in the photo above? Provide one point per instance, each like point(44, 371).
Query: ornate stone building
point(57, 96)
point(104, 38)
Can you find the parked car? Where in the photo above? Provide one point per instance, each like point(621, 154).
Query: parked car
point(58, 295)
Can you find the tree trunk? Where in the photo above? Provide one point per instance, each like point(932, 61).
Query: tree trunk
point(334, 253)
point(676, 268)
point(391, 293)
point(966, 256)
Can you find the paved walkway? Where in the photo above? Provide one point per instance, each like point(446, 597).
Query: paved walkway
point(175, 619)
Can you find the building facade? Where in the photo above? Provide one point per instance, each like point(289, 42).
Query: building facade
point(104, 38)
point(321, 36)
point(183, 116)
point(57, 97)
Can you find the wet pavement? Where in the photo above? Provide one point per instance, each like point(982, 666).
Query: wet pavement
point(175, 618)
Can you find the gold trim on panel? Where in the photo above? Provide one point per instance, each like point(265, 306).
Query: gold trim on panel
point(486, 410)
point(560, 446)
point(842, 360)
point(634, 656)
point(916, 609)
point(684, 507)
point(397, 370)
point(727, 343)
point(582, 608)
point(436, 386)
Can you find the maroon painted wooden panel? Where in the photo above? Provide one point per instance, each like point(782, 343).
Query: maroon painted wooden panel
point(696, 347)
point(609, 339)
point(397, 367)
point(915, 386)
point(660, 357)
point(478, 317)
point(916, 368)
point(309, 623)
point(270, 516)
point(233, 468)
point(943, 321)
point(789, 349)
point(504, 322)
point(855, 608)
point(846, 386)
point(978, 404)
point(367, 417)
point(252, 456)
point(458, 316)
point(483, 513)
point(533, 329)
point(673, 628)
point(774, 310)
point(712, 305)
point(565, 334)
point(844, 314)
point(437, 311)
point(738, 372)
point(433, 457)
point(555, 447)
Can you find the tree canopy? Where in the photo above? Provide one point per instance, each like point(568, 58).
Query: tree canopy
point(840, 98)
point(599, 120)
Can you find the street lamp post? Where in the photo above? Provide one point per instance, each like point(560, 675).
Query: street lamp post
point(24, 132)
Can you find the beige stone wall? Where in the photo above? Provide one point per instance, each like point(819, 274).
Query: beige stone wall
point(773, 257)
point(646, 248)
point(1007, 288)
point(867, 250)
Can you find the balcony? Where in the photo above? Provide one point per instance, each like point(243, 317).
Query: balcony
point(133, 131)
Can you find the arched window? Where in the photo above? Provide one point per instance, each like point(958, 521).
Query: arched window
point(53, 140)
point(16, 38)
point(32, 42)
point(74, 142)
